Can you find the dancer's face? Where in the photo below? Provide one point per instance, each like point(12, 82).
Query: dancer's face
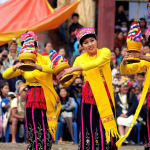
point(90, 45)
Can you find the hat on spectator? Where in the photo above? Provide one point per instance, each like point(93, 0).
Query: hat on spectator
point(11, 94)
point(84, 33)
point(122, 81)
point(22, 88)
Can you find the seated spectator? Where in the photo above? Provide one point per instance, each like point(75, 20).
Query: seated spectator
point(4, 89)
point(62, 52)
point(140, 79)
point(80, 52)
point(143, 25)
point(138, 92)
point(113, 62)
point(13, 56)
point(126, 104)
point(67, 113)
point(118, 54)
point(124, 29)
point(17, 111)
point(119, 40)
point(12, 81)
point(146, 49)
point(119, 17)
point(47, 48)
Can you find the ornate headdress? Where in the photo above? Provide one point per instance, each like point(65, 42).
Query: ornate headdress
point(58, 62)
point(134, 38)
point(84, 33)
point(23, 36)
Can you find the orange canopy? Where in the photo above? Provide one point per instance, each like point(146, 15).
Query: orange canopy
point(19, 16)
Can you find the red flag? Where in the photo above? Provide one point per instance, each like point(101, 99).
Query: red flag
point(19, 16)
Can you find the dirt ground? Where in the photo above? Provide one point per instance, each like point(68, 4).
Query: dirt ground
point(21, 146)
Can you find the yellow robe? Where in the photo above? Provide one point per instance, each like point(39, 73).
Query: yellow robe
point(132, 69)
point(44, 79)
point(91, 67)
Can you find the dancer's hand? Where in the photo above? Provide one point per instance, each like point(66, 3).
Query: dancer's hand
point(59, 76)
point(124, 60)
point(136, 54)
point(38, 67)
point(72, 69)
point(15, 67)
point(67, 71)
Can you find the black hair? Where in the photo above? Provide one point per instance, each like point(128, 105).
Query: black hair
point(61, 48)
point(119, 31)
point(15, 62)
point(45, 44)
point(130, 88)
point(78, 78)
point(144, 45)
point(13, 42)
point(141, 74)
point(123, 47)
point(35, 43)
point(87, 36)
point(138, 87)
point(1, 87)
point(4, 48)
point(144, 20)
point(116, 47)
point(75, 15)
point(113, 52)
point(60, 96)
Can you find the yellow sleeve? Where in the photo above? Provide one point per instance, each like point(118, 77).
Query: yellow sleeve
point(75, 74)
point(103, 59)
point(134, 68)
point(47, 69)
point(9, 73)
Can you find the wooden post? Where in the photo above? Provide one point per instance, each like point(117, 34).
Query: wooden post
point(137, 11)
point(106, 23)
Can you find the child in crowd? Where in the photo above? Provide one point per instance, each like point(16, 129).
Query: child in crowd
point(113, 60)
point(140, 79)
point(124, 50)
point(67, 113)
point(118, 54)
point(62, 52)
point(138, 92)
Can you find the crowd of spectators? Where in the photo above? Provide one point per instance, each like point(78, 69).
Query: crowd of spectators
point(127, 89)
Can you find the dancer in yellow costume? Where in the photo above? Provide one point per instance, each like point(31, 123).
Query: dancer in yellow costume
point(98, 125)
point(134, 45)
point(42, 103)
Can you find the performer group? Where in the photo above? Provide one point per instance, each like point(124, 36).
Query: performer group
point(97, 127)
